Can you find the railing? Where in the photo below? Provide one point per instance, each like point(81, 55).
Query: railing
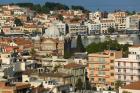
point(138, 67)
point(124, 67)
point(126, 73)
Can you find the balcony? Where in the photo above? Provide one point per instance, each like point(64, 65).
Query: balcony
point(98, 62)
point(126, 73)
point(137, 67)
point(124, 67)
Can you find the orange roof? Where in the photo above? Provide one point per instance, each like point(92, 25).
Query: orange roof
point(133, 86)
point(5, 40)
point(73, 65)
point(23, 42)
point(20, 85)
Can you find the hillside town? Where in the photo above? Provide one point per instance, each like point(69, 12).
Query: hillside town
point(69, 51)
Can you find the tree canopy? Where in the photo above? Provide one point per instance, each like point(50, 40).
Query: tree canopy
point(79, 8)
point(18, 22)
point(118, 84)
point(33, 52)
point(111, 30)
point(49, 6)
point(107, 45)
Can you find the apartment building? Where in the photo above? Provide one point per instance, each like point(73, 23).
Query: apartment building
point(132, 22)
point(105, 24)
point(93, 28)
point(128, 69)
point(61, 27)
point(101, 68)
point(120, 20)
point(77, 28)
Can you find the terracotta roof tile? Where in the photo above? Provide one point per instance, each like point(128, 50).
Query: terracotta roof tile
point(73, 65)
point(133, 86)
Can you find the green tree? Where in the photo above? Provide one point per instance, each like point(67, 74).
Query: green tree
point(107, 45)
point(33, 52)
point(55, 69)
point(37, 8)
point(80, 8)
point(67, 49)
point(111, 30)
point(87, 84)
point(77, 7)
point(30, 5)
point(48, 6)
point(55, 6)
point(60, 17)
point(79, 84)
point(117, 85)
point(80, 46)
point(126, 92)
point(18, 22)
point(67, 54)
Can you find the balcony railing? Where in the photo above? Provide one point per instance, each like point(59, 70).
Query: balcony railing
point(126, 73)
point(127, 67)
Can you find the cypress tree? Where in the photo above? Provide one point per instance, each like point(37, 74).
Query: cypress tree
point(80, 46)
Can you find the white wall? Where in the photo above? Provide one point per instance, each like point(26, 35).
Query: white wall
point(129, 90)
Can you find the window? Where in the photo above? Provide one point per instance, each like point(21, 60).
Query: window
point(124, 63)
point(101, 80)
point(131, 77)
point(112, 83)
point(101, 73)
point(101, 60)
point(101, 67)
point(111, 54)
point(111, 61)
point(124, 77)
point(118, 64)
point(138, 56)
point(119, 70)
point(119, 77)
point(124, 70)
point(112, 67)
point(112, 74)
point(92, 79)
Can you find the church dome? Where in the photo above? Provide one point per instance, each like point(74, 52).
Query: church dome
point(51, 32)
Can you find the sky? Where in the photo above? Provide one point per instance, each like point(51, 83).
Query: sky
point(103, 5)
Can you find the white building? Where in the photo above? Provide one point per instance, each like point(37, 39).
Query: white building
point(18, 12)
point(132, 22)
point(93, 28)
point(5, 58)
point(96, 16)
point(77, 28)
point(54, 61)
point(120, 20)
point(61, 27)
point(52, 32)
point(128, 69)
point(105, 24)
